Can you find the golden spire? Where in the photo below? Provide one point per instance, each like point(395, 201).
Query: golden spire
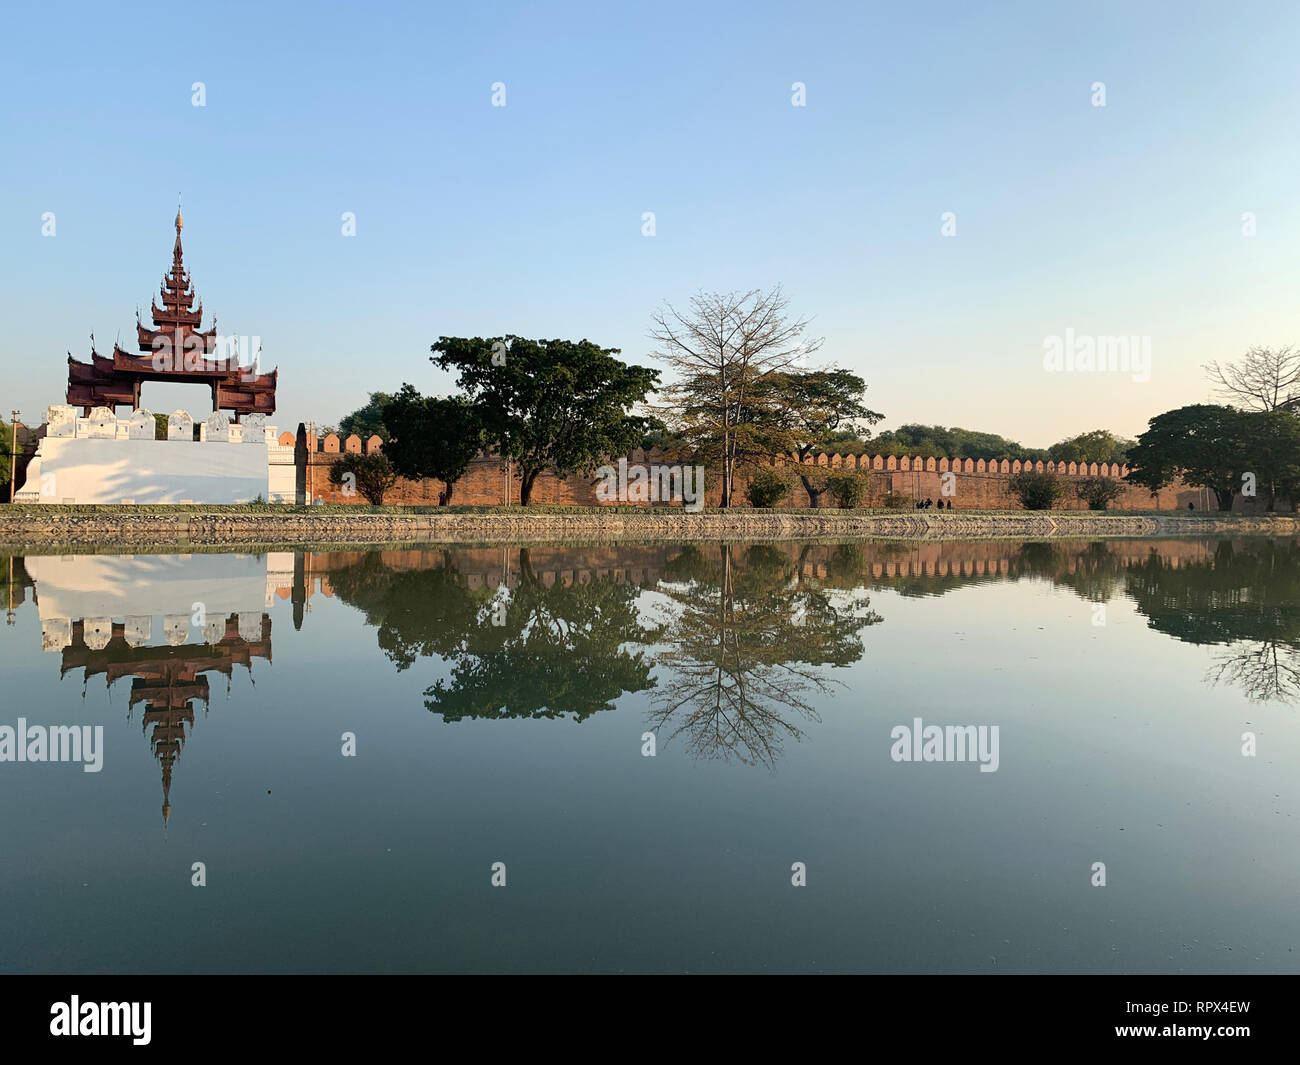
point(177, 264)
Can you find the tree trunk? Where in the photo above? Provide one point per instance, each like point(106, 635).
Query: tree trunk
point(450, 487)
point(726, 442)
point(814, 494)
point(728, 474)
point(526, 486)
point(1224, 498)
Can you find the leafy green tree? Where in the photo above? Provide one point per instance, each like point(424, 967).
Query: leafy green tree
point(806, 410)
point(1205, 444)
point(767, 487)
point(847, 489)
point(848, 441)
point(6, 457)
point(368, 421)
point(1099, 445)
point(1098, 492)
point(544, 404)
point(936, 441)
point(371, 475)
point(1036, 491)
point(1273, 455)
point(432, 437)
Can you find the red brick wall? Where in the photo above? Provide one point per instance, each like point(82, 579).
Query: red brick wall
point(978, 485)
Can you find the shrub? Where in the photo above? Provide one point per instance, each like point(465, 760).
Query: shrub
point(1098, 492)
point(897, 500)
point(767, 487)
point(371, 475)
point(1037, 491)
point(847, 489)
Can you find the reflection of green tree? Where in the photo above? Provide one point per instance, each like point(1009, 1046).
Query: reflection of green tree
point(1247, 599)
point(561, 650)
point(747, 643)
point(1250, 590)
point(417, 612)
point(13, 574)
point(537, 652)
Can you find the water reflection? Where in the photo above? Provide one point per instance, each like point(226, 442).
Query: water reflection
point(168, 681)
point(522, 645)
point(163, 621)
point(734, 645)
point(1246, 598)
point(749, 635)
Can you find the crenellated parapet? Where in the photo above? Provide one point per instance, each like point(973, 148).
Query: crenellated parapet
point(333, 444)
point(929, 464)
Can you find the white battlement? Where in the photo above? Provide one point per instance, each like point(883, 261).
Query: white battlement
point(62, 422)
point(105, 459)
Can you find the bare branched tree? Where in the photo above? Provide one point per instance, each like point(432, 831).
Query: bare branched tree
point(1262, 379)
point(716, 351)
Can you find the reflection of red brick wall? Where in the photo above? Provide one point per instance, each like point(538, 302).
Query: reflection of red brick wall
point(643, 564)
point(977, 485)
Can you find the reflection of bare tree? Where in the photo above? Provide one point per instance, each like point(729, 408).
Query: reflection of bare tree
point(748, 647)
point(1267, 671)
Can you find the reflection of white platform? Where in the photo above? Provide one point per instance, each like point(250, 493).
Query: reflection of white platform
point(139, 586)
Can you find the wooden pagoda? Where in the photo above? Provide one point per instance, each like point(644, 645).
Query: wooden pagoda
point(176, 349)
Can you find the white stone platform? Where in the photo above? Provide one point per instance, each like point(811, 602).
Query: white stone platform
point(105, 459)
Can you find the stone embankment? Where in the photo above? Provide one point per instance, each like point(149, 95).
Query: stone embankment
point(35, 526)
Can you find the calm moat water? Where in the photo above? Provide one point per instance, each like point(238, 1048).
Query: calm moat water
point(349, 743)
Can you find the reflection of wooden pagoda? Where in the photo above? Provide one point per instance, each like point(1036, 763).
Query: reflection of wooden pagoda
point(192, 357)
point(167, 680)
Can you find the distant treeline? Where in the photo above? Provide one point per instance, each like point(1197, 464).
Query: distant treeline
point(938, 441)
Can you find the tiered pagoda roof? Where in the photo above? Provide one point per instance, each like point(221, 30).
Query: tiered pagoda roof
point(169, 681)
point(191, 355)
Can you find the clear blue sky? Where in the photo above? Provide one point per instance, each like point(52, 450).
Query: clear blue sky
point(477, 220)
